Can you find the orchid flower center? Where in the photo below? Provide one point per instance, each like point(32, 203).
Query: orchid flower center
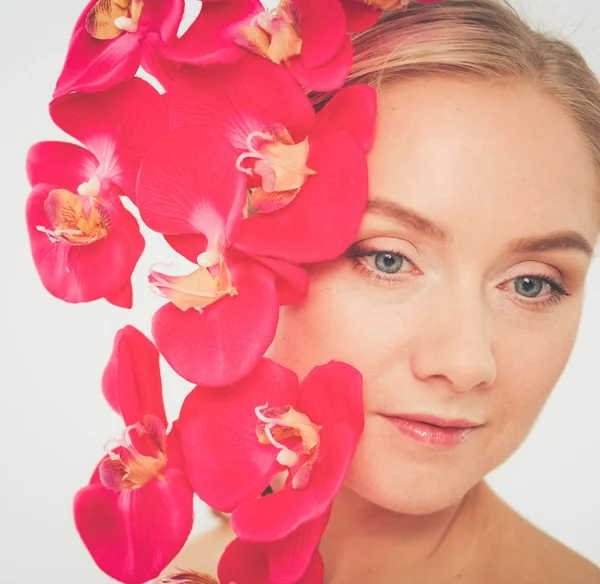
point(200, 288)
point(126, 467)
point(273, 33)
point(388, 4)
point(280, 162)
point(282, 427)
point(110, 18)
point(78, 219)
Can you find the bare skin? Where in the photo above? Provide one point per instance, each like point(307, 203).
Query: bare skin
point(484, 542)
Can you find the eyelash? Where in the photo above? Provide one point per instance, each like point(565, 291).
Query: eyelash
point(557, 292)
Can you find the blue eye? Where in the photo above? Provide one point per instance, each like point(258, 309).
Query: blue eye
point(543, 290)
point(529, 286)
point(389, 262)
point(384, 266)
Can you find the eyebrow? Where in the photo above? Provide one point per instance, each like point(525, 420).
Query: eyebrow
point(554, 241)
point(407, 217)
point(551, 242)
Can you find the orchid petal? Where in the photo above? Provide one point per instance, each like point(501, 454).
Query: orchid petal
point(323, 30)
point(209, 38)
point(240, 98)
point(292, 281)
point(131, 381)
point(212, 348)
point(247, 563)
point(359, 15)
point(189, 245)
point(60, 163)
point(95, 65)
point(153, 60)
point(329, 76)
point(121, 297)
point(243, 563)
point(352, 109)
point(323, 220)
point(119, 126)
point(188, 183)
point(134, 535)
point(175, 448)
point(291, 557)
point(162, 16)
point(226, 464)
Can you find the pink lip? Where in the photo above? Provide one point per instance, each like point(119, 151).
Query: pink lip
point(441, 422)
point(431, 430)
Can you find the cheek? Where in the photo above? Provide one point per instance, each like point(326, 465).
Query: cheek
point(530, 362)
point(335, 322)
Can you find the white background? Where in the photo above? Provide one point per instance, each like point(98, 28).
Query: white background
point(54, 420)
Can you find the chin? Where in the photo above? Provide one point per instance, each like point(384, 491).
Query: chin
point(409, 479)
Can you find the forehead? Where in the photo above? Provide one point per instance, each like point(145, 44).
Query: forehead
point(494, 153)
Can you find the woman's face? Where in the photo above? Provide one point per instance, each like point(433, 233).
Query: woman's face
point(451, 302)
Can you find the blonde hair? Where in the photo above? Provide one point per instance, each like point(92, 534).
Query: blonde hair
point(482, 38)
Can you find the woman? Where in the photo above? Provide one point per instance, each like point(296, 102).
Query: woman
point(460, 299)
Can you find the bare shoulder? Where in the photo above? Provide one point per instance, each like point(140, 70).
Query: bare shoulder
point(202, 553)
point(525, 554)
point(518, 553)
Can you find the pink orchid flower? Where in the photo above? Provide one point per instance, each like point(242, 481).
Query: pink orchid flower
point(137, 512)
point(307, 172)
point(190, 191)
point(250, 563)
point(112, 38)
point(236, 441)
point(307, 36)
point(85, 244)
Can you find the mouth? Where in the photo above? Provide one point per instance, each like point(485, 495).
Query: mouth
point(438, 432)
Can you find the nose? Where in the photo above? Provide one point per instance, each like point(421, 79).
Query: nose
point(453, 342)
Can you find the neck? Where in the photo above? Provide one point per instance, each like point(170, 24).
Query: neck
point(364, 542)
